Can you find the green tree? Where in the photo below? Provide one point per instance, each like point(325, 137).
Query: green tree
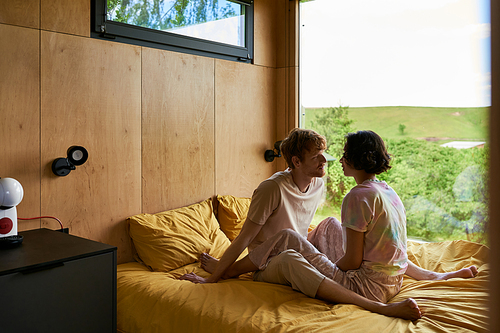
point(443, 189)
point(156, 14)
point(334, 124)
point(402, 128)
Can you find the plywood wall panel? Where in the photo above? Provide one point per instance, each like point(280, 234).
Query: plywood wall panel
point(245, 103)
point(20, 116)
point(178, 129)
point(265, 33)
point(71, 17)
point(282, 32)
point(25, 13)
point(91, 97)
point(292, 120)
point(282, 95)
point(293, 33)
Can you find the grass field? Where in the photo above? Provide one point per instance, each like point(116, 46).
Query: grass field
point(444, 124)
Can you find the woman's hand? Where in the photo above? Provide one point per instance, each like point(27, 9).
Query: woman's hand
point(194, 278)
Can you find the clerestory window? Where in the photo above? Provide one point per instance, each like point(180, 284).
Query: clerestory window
point(215, 28)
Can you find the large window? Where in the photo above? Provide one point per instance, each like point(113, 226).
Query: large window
point(418, 74)
point(216, 28)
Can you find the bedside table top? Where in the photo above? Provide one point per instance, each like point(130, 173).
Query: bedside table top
point(43, 247)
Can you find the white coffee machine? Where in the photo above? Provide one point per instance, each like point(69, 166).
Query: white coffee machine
point(11, 195)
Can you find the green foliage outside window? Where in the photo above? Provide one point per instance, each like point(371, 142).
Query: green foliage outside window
point(443, 189)
point(168, 14)
point(334, 123)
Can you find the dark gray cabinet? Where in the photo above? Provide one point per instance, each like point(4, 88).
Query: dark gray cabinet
point(55, 282)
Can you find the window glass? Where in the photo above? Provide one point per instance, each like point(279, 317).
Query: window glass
point(216, 20)
point(418, 74)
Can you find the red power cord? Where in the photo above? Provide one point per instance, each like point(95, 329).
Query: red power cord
point(42, 217)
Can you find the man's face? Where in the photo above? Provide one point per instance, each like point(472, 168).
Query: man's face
point(314, 163)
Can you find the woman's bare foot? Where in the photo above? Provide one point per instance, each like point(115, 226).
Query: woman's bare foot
point(407, 309)
point(420, 274)
point(464, 273)
point(208, 262)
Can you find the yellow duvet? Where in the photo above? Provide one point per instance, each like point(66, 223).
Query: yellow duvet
point(158, 302)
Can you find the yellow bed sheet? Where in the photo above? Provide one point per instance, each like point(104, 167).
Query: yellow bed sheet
point(158, 302)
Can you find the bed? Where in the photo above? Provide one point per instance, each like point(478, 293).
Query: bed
point(150, 298)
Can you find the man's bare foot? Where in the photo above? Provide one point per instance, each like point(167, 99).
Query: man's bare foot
point(464, 273)
point(407, 309)
point(208, 262)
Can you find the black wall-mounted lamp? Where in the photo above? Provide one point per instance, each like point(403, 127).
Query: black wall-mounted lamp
point(76, 156)
point(269, 155)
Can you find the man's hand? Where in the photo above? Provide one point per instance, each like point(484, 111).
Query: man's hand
point(193, 278)
point(247, 234)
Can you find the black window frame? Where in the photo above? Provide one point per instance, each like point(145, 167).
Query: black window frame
point(103, 28)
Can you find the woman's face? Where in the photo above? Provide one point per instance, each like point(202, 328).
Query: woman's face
point(348, 169)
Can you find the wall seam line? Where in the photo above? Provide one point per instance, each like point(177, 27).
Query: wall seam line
point(40, 105)
point(141, 134)
point(215, 129)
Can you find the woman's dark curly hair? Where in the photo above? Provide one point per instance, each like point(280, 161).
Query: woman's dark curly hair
point(365, 150)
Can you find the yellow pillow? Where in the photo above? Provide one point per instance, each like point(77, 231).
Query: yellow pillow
point(174, 238)
point(232, 213)
point(311, 227)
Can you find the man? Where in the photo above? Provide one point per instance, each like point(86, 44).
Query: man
point(288, 200)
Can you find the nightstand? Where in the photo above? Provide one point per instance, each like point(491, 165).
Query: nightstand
point(55, 282)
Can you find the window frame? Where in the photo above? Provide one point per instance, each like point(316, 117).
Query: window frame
point(102, 28)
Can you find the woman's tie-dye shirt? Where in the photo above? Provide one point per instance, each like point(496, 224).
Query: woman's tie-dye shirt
point(375, 209)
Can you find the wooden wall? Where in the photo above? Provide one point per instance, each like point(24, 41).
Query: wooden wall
point(162, 129)
point(494, 183)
